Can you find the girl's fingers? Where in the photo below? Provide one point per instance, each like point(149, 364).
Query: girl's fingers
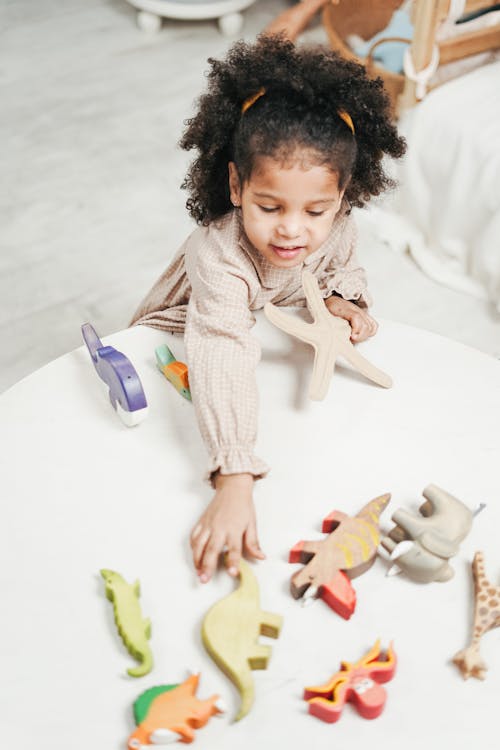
point(208, 561)
point(233, 557)
point(358, 326)
point(251, 543)
point(196, 532)
point(373, 325)
point(198, 543)
point(207, 547)
point(363, 326)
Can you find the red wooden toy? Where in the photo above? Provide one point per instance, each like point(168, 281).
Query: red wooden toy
point(346, 553)
point(358, 683)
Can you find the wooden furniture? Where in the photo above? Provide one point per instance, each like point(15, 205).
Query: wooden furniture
point(428, 15)
point(365, 18)
point(227, 12)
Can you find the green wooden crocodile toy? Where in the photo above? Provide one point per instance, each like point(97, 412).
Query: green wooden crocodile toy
point(134, 630)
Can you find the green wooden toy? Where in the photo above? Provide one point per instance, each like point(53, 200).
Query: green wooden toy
point(170, 713)
point(176, 372)
point(134, 630)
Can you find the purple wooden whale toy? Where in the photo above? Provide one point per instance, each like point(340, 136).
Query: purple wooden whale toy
point(125, 389)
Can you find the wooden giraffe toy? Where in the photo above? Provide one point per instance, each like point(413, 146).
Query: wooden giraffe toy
point(346, 553)
point(486, 617)
point(230, 633)
point(330, 337)
point(358, 683)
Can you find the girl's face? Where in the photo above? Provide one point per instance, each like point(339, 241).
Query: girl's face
point(288, 208)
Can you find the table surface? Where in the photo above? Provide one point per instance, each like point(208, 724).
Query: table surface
point(83, 492)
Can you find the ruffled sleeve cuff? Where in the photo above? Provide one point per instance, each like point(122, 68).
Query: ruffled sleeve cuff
point(351, 285)
point(235, 459)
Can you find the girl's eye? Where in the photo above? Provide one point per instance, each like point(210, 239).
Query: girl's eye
point(268, 209)
point(315, 213)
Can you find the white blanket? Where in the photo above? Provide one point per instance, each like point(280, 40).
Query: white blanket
point(447, 208)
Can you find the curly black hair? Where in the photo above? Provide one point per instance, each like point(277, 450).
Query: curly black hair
point(305, 89)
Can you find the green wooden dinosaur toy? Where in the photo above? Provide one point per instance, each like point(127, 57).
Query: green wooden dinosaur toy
point(134, 630)
point(170, 713)
point(230, 634)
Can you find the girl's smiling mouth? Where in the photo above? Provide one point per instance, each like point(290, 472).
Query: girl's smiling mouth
point(287, 253)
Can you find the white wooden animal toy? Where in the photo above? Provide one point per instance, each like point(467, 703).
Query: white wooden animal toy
point(421, 543)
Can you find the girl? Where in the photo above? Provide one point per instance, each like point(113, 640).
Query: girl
point(288, 139)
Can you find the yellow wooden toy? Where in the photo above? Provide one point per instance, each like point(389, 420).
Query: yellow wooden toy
point(230, 633)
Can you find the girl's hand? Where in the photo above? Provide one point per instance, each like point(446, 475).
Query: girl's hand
point(362, 325)
point(227, 524)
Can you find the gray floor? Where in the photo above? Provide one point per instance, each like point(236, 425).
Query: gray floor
point(91, 210)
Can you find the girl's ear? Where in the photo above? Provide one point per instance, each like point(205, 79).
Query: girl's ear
point(341, 196)
point(234, 184)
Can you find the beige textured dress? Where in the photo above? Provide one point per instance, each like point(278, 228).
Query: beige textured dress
point(210, 292)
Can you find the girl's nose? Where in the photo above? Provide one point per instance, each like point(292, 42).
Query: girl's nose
point(290, 226)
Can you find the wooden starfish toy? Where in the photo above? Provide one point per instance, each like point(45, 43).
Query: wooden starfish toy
point(330, 337)
point(486, 617)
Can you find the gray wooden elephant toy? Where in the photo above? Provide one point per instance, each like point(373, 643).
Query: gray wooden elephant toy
point(421, 544)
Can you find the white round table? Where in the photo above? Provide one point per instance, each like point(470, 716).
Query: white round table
point(83, 492)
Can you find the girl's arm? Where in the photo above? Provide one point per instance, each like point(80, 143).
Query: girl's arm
point(222, 357)
point(362, 324)
point(343, 282)
point(227, 525)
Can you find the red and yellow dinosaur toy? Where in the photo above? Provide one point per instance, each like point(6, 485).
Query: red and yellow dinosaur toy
point(347, 552)
point(358, 683)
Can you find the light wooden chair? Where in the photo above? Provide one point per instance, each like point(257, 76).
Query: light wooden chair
point(428, 16)
point(365, 18)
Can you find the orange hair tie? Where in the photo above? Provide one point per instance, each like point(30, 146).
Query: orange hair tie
point(347, 119)
point(252, 99)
